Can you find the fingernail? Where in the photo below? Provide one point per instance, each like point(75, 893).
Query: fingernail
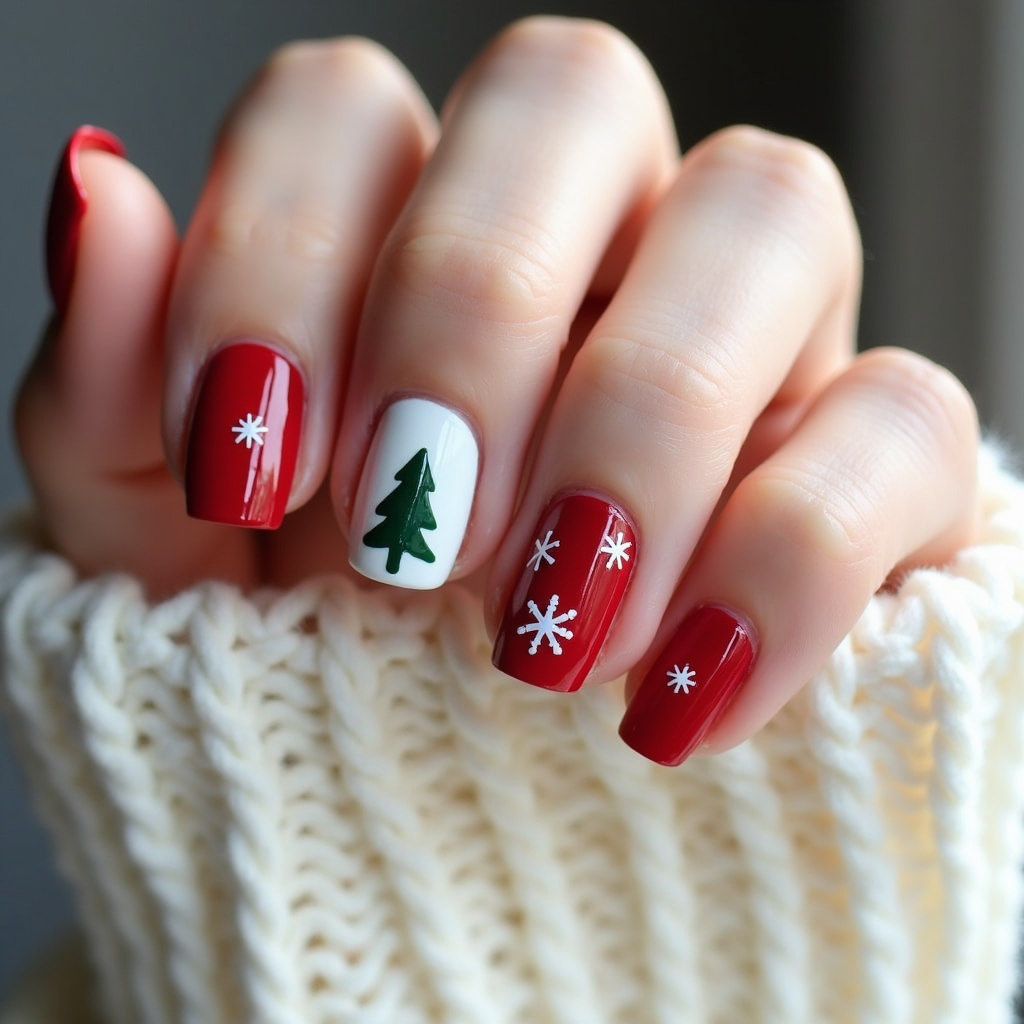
point(571, 585)
point(415, 495)
point(68, 203)
point(244, 437)
point(690, 685)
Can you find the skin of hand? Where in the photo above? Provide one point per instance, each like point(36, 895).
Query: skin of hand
point(526, 345)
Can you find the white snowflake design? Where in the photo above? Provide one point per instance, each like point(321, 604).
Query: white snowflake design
point(249, 430)
point(547, 626)
point(684, 679)
point(541, 555)
point(615, 549)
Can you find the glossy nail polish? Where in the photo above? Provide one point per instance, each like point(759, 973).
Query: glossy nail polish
point(244, 437)
point(571, 584)
point(415, 495)
point(690, 685)
point(68, 204)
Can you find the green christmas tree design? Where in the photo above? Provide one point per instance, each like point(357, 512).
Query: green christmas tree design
point(406, 512)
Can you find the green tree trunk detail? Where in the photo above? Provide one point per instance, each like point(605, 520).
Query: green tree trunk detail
point(406, 511)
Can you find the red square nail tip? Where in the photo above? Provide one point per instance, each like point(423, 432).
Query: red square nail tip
point(689, 686)
point(244, 437)
point(572, 581)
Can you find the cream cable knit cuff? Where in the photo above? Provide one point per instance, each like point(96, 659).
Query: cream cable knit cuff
point(325, 806)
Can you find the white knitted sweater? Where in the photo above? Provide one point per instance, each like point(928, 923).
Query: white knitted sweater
point(324, 806)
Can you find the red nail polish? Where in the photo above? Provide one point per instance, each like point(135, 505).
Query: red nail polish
point(68, 203)
point(689, 686)
point(572, 582)
point(244, 439)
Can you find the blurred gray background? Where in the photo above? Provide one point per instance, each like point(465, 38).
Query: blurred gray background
point(917, 100)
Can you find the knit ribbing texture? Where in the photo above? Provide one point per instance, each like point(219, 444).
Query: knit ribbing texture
point(323, 805)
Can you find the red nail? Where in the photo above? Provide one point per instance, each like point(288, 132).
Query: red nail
point(689, 686)
point(68, 203)
point(244, 437)
point(572, 582)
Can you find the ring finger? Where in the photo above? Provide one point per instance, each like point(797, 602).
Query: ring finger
point(741, 298)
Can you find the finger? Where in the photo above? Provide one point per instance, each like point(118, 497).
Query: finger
point(87, 414)
point(881, 471)
point(741, 296)
point(560, 135)
point(310, 172)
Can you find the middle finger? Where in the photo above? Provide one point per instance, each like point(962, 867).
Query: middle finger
point(558, 140)
point(312, 167)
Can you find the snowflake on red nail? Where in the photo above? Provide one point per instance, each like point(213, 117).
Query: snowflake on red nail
point(615, 549)
point(682, 679)
point(249, 430)
point(547, 626)
point(540, 554)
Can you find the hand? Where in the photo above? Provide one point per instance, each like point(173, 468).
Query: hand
point(530, 345)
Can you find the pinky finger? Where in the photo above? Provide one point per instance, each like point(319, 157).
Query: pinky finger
point(880, 473)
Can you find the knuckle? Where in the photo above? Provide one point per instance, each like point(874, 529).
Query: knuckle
point(310, 234)
point(591, 51)
point(315, 236)
point(792, 166)
point(807, 510)
point(794, 183)
point(497, 276)
point(235, 228)
point(691, 391)
point(291, 56)
point(312, 82)
point(337, 65)
point(932, 398)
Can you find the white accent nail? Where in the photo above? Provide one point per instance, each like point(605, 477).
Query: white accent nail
point(415, 496)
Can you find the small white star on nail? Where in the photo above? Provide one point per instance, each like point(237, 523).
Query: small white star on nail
point(541, 555)
point(249, 430)
point(682, 679)
point(615, 549)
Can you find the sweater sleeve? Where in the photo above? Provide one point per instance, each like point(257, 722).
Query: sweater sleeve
point(323, 805)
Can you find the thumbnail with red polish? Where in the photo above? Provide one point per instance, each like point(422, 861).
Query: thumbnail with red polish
point(68, 204)
point(573, 579)
point(244, 438)
point(689, 686)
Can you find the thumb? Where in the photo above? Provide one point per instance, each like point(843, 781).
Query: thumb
point(87, 417)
